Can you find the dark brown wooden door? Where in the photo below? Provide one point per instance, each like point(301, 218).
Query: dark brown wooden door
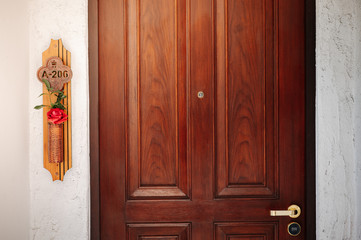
point(176, 164)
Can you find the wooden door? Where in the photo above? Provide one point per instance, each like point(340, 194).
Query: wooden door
point(201, 118)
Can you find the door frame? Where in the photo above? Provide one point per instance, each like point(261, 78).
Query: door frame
point(310, 87)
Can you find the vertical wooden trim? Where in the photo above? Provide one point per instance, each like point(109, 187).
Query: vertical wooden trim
point(310, 58)
point(69, 159)
point(94, 124)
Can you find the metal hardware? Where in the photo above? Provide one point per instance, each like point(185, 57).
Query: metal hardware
point(294, 229)
point(200, 94)
point(293, 211)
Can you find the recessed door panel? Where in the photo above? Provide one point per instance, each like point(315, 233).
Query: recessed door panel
point(156, 88)
point(246, 99)
point(246, 231)
point(175, 231)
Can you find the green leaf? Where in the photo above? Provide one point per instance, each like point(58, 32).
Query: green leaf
point(42, 94)
point(47, 84)
point(39, 107)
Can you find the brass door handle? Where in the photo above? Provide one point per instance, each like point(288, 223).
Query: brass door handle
point(293, 211)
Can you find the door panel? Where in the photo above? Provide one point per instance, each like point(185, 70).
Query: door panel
point(156, 115)
point(246, 99)
point(177, 231)
point(176, 166)
point(245, 231)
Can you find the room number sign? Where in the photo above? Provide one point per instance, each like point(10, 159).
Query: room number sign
point(55, 75)
point(55, 72)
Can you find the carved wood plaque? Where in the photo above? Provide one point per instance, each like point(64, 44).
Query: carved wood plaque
point(55, 72)
point(62, 56)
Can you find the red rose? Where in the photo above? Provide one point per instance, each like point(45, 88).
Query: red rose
point(57, 116)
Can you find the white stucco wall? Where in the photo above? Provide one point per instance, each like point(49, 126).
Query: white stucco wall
point(338, 119)
point(14, 137)
point(60, 210)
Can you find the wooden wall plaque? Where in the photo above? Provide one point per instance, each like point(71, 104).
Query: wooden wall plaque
point(56, 49)
point(55, 72)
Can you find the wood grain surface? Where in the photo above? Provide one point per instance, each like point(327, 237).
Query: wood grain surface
point(58, 170)
point(175, 166)
point(155, 114)
point(246, 100)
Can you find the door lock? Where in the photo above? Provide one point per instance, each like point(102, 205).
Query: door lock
point(294, 229)
point(200, 94)
point(293, 211)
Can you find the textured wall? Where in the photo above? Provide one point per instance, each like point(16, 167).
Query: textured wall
point(59, 210)
point(14, 137)
point(338, 118)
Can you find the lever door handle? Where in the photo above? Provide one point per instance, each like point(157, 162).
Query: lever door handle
point(293, 211)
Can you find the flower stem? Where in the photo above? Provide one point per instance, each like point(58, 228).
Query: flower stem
point(50, 93)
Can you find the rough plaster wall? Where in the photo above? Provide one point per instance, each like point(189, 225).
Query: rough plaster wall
point(14, 137)
point(338, 118)
point(60, 210)
point(357, 116)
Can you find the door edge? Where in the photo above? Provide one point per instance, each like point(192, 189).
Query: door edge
point(310, 98)
point(94, 123)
